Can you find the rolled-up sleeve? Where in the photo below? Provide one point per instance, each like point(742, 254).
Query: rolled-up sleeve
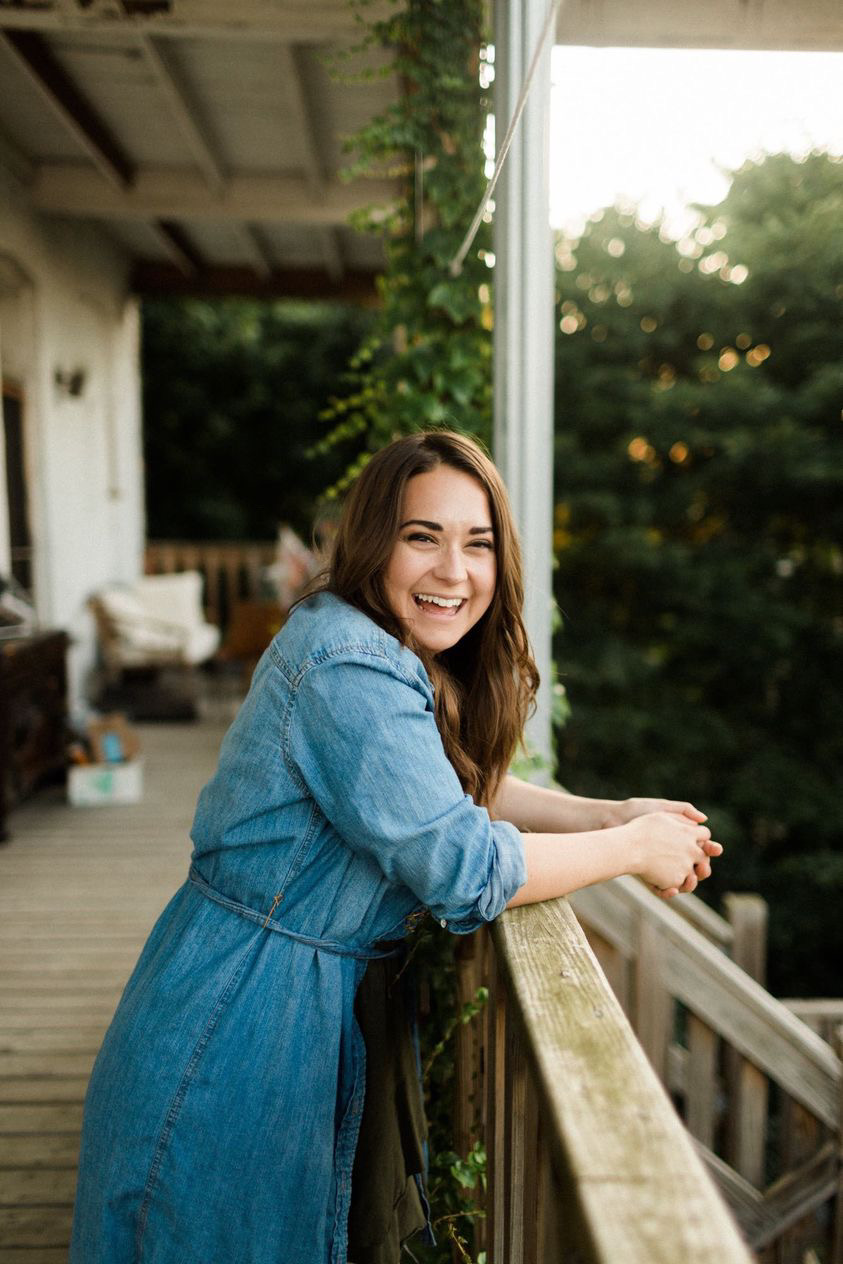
point(362, 737)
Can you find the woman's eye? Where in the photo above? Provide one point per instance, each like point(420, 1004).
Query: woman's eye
point(420, 536)
point(482, 544)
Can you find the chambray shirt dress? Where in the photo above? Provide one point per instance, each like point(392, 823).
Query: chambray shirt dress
point(224, 1106)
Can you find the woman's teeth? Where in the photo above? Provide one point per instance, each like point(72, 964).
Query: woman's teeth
point(447, 603)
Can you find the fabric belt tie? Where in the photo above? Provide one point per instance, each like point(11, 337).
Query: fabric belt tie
point(372, 953)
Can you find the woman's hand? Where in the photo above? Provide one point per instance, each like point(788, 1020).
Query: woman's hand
point(671, 850)
point(621, 811)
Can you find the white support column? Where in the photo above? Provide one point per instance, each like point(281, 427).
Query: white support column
point(523, 436)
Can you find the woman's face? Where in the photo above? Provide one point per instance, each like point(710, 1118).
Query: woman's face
point(440, 578)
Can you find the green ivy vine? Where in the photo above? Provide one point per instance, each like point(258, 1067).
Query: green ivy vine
point(427, 361)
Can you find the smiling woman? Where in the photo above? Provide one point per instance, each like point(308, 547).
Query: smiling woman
point(362, 785)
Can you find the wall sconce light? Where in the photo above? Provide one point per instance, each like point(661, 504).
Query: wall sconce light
point(70, 382)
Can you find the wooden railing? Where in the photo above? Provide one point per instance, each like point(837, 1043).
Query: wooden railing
point(757, 1088)
point(231, 570)
point(588, 1161)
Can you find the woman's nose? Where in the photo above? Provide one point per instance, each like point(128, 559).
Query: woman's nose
point(450, 565)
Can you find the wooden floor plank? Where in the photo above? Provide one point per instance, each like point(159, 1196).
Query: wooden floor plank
point(41, 1117)
point(46, 1089)
point(57, 1002)
point(35, 1226)
point(58, 1149)
point(79, 891)
point(37, 1187)
point(44, 1039)
point(44, 1065)
point(40, 1255)
point(94, 1012)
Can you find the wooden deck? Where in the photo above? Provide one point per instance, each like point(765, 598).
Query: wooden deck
point(79, 891)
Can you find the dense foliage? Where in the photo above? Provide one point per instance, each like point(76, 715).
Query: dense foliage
point(231, 393)
point(428, 359)
point(699, 534)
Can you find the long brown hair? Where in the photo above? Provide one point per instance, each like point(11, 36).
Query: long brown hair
point(486, 683)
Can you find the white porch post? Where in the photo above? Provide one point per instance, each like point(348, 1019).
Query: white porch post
point(523, 349)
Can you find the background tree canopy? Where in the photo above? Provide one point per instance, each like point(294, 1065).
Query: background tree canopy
point(232, 392)
point(699, 535)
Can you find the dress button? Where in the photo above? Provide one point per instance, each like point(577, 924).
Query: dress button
point(442, 921)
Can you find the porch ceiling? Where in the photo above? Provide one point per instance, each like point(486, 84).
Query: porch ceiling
point(205, 136)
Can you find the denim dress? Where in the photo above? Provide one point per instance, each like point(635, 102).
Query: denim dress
point(224, 1107)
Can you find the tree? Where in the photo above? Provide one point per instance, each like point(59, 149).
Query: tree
point(232, 395)
point(699, 533)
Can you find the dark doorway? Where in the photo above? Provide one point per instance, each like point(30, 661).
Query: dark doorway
point(16, 492)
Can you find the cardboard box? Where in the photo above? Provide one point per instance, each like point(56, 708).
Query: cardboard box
point(112, 739)
point(102, 785)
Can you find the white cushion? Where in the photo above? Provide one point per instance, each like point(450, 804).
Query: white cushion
point(174, 598)
point(160, 615)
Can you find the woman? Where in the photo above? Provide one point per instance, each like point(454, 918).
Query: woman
point(362, 783)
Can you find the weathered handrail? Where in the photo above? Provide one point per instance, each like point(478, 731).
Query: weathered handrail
point(588, 1159)
point(711, 986)
point(718, 1040)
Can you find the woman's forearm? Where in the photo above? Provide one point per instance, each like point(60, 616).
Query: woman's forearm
point(544, 811)
point(667, 849)
point(558, 865)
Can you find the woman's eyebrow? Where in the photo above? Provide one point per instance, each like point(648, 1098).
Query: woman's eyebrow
point(437, 526)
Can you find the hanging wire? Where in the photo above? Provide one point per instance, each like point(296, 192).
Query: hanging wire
point(455, 266)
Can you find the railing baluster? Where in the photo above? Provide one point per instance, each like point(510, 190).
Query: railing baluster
point(530, 1243)
point(701, 1081)
point(747, 915)
point(837, 1228)
point(614, 965)
point(496, 1117)
point(653, 1005)
point(517, 1141)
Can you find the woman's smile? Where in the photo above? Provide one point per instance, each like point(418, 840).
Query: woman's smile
point(438, 607)
point(441, 576)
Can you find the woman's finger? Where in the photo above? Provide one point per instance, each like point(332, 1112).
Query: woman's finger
point(693, 813)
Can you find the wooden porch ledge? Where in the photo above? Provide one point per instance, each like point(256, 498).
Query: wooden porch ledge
point(587, 1153)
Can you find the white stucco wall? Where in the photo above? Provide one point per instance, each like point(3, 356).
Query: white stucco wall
point(64, 305)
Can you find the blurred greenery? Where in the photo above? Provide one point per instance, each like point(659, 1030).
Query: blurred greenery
point(232, 392)
point(699, 534)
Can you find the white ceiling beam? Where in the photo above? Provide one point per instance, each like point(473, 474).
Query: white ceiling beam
point(291, 69)
point(184, 109)
point(173, 193)
point(810, 25)
point(309, 23)
point(178, 248)
point(15, 160)
point(36, 59)
point(775, 24)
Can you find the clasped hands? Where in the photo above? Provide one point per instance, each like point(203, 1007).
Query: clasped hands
point(672, 845)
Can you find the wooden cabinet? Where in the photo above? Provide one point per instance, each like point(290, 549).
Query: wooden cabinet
point(33, 714)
